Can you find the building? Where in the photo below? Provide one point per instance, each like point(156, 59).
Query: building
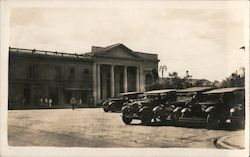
point(102, 73)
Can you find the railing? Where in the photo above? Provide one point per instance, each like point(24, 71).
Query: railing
point(52, 53)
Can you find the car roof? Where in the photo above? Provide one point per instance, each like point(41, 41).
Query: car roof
point(194, 89)
point(129, 93)
point(160, 91)
point(224, 90)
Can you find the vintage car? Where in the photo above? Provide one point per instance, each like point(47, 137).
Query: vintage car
point(116, 104)
point(142, 109)
point(216, 107)
point(170, 111)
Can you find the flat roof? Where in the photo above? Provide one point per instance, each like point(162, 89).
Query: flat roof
point(224, 90)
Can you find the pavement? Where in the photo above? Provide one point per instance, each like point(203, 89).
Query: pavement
point(234, 141)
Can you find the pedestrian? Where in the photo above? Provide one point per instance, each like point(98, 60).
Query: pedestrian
point(73, 102)
point(41, 101)
point(50, 102)
point(46, 101)
point(92, 102)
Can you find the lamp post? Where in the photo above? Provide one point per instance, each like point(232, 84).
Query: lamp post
point(162, 69)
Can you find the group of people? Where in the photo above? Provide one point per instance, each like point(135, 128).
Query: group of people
point(75, 102)
point(46, 102)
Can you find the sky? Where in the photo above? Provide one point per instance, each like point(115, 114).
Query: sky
point(201, 37)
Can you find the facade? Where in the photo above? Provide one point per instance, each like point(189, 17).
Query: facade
point(90, 77)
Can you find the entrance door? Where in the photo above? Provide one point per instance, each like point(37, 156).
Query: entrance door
point(26, 96)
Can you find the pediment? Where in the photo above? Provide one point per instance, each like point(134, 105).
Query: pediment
point(120, 52)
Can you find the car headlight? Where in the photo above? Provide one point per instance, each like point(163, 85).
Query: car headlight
point(228, 121)
point(232, 110)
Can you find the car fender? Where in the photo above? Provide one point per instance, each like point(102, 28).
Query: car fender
point(157, 108)
point(105, 103)
point(145, 110)
point(177, 110)
point(210, 109)
point(111, 103)
point(184, 110)
point(125, 108)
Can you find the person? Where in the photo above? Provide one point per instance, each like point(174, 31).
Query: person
point(92, 102)
point(23, 102)
point(41, 101)
point(50, 102)
point(45, 101)
point(73, 102)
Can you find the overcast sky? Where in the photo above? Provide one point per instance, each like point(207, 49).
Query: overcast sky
point(203, 38)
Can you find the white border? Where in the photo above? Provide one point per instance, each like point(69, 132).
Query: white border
point(6, 150)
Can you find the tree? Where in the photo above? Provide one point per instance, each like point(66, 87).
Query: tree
point(237, 79)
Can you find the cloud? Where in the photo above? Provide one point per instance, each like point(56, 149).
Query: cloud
point(195, 39)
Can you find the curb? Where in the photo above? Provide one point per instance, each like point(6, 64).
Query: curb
point(223, 144)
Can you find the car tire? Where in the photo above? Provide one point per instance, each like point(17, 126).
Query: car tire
point(176, 120)
point(145, 119)
point(211, 122)
point(105, 108)
point(127, 121)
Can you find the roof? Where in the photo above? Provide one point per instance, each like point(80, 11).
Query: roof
point(103, 50)
point(46, 53)
point(194, 89)
point(129, 93)
point(224, 90)
point(160, 91)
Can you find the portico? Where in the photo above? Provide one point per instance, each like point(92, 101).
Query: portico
point(114, 79)
point(117, 69)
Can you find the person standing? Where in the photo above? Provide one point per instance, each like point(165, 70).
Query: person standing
point(73, 102)
point(50, 102)
point(46, 101)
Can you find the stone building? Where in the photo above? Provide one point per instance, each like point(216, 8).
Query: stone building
point(102, 73)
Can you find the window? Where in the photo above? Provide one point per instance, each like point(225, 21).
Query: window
point(72, 71)
point(86, 71)
point(32, 71)
point(58, 75)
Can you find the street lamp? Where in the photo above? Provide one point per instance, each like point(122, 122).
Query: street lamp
point(162, 69)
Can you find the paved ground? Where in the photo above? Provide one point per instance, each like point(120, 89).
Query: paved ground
point(95, 128)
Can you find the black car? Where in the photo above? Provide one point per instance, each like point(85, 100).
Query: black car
point(116, 104)
point(171, 110)
point(216, 107)
point(143, 109)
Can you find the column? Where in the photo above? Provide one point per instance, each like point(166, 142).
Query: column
point(125, 79)
point(94, 82)
point(98, 82)
point(142, 80)
point(137, 79)
point(112, 81)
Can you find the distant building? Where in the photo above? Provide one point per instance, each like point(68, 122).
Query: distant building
point(102, 73)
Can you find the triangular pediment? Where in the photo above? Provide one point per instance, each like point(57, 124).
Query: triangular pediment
point(119, 51)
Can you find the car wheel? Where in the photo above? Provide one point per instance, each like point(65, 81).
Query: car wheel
point(106, 108)
point(126, 120)
point(211, 122)
point(176, 120)
point(145, 119)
